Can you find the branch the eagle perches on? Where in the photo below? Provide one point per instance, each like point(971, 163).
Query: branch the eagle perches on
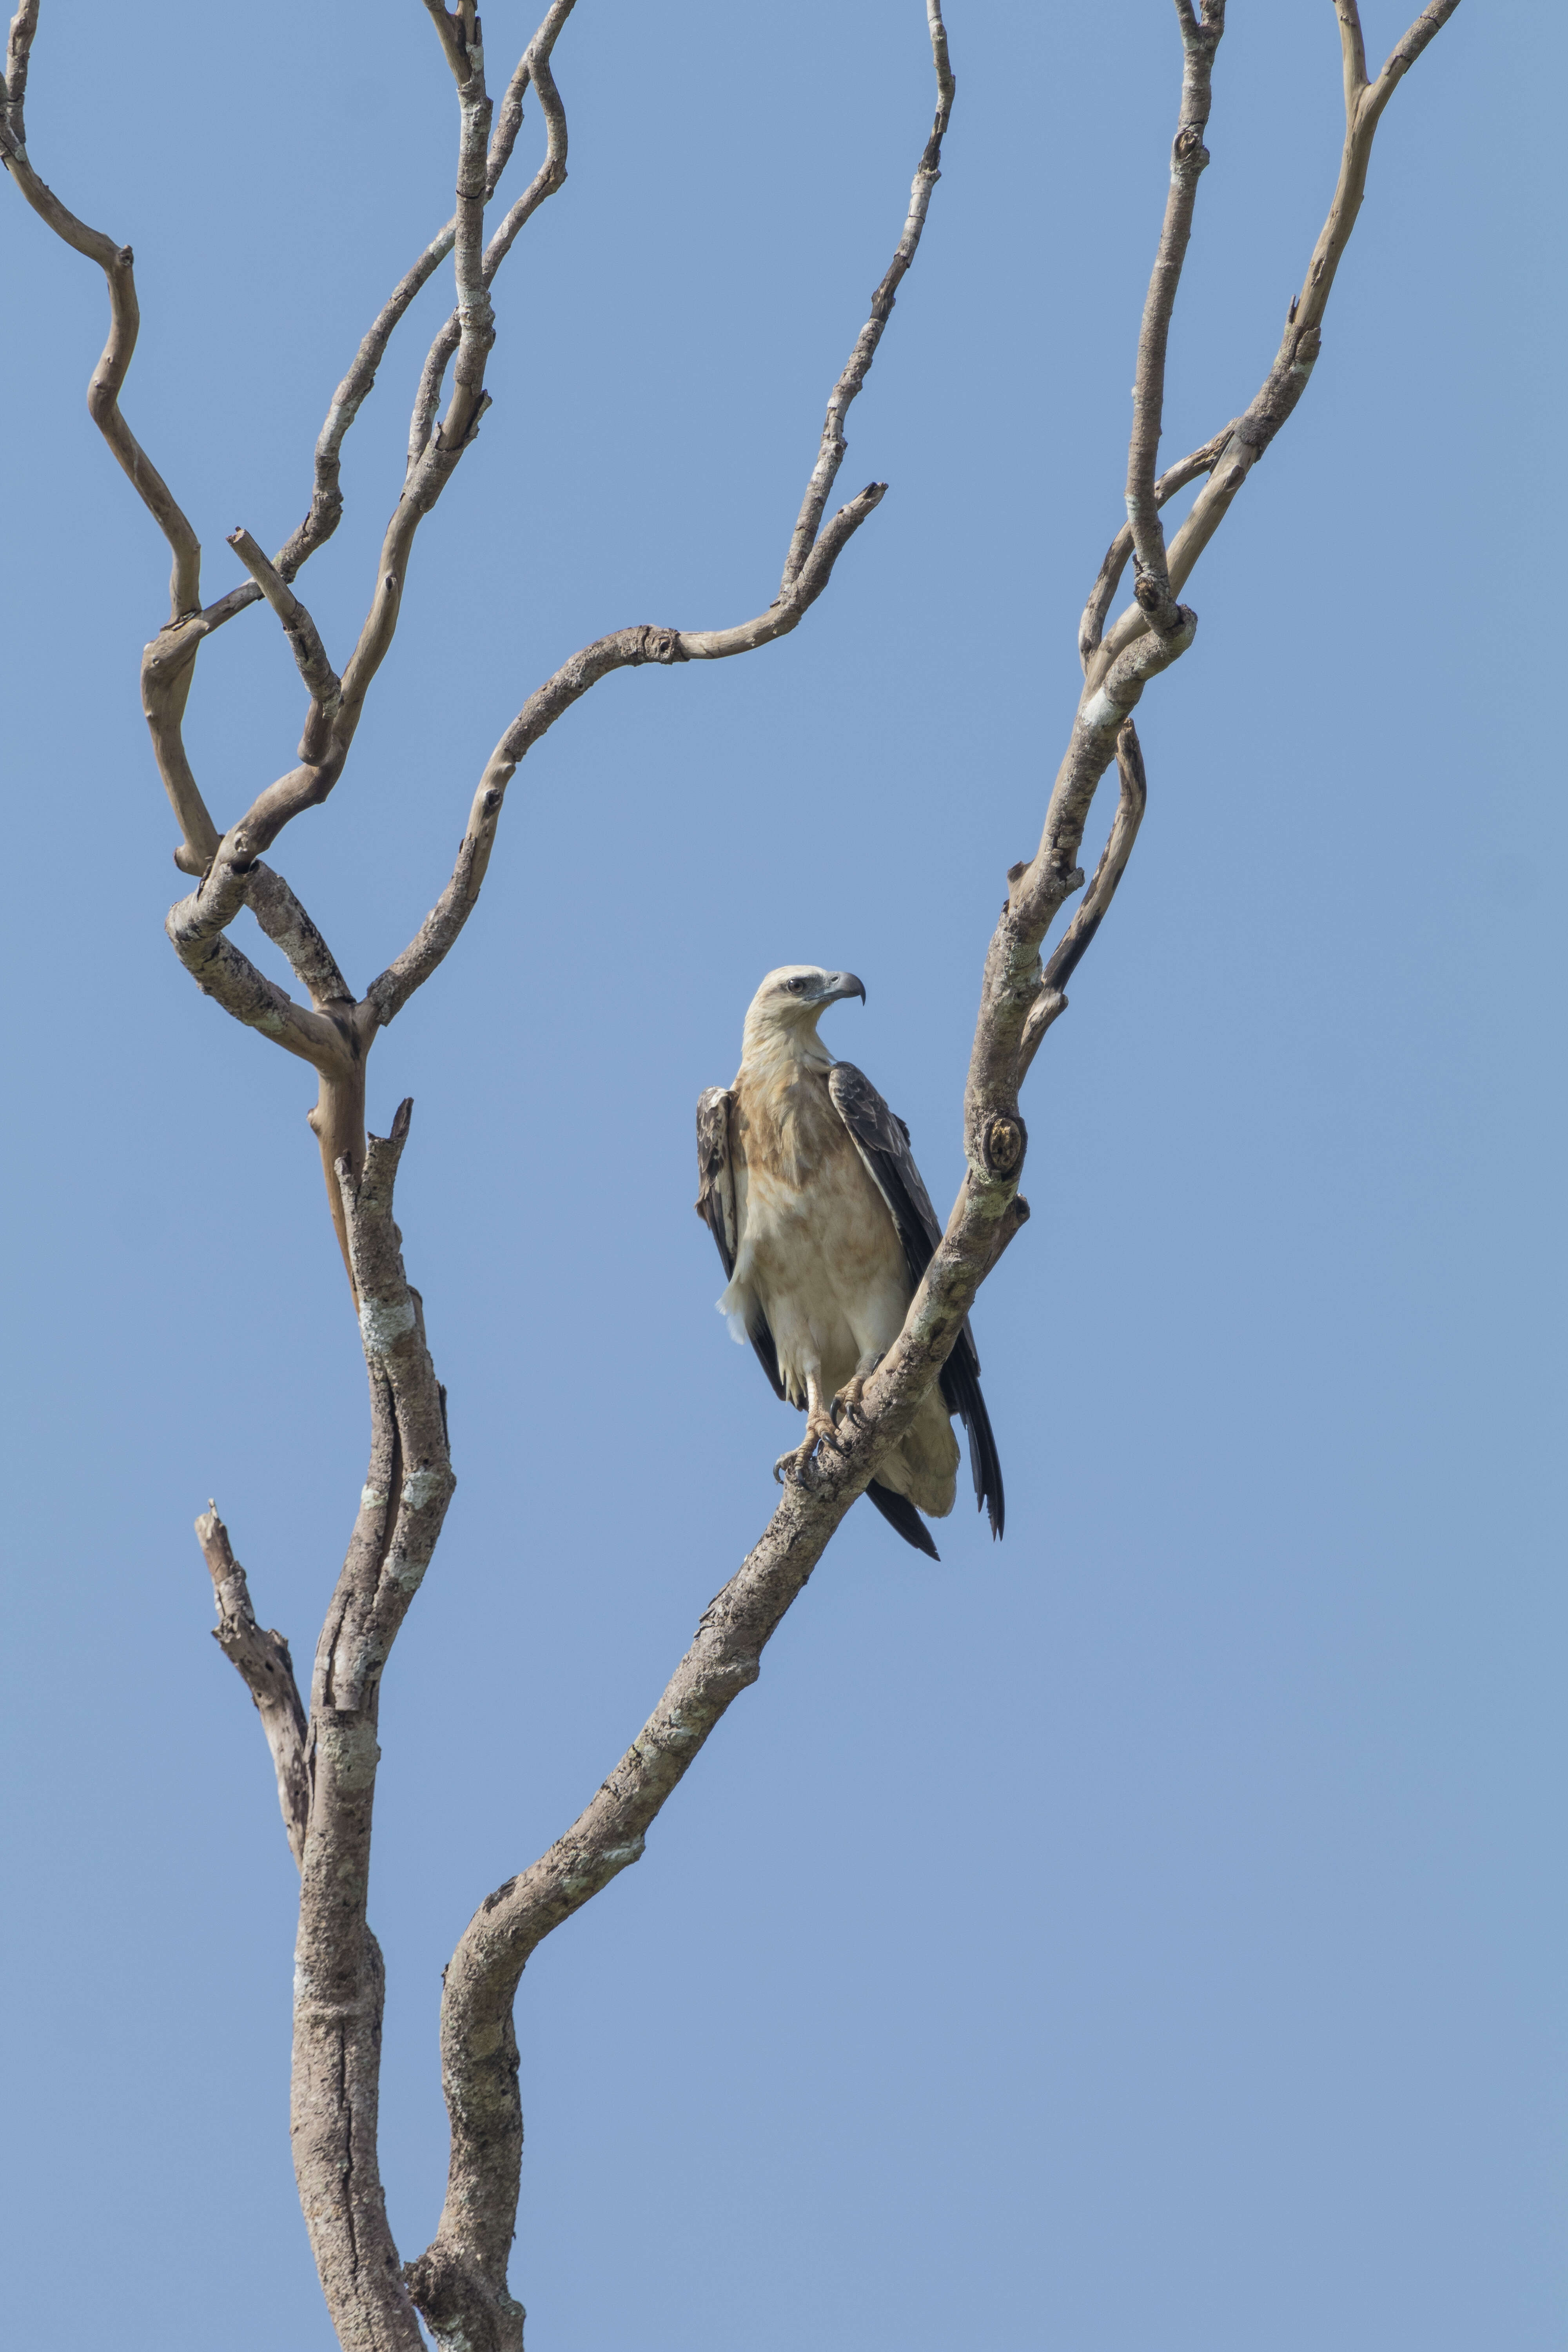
point(325, 1759)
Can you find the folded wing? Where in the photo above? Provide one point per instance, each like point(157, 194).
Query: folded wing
point(716, 1204)
point(883, 1142)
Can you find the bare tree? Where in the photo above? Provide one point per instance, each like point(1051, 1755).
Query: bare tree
point(325, 1754)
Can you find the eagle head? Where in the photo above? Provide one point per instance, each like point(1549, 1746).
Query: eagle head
point(791, 1001)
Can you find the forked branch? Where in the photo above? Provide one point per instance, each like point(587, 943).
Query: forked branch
point(1287, 380)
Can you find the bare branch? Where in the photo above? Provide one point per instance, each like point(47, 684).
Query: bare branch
point(1052, 1002)
point(1188, 158)
point(304, 643)
point(289, 928)
point(263, 1663)
point(624, 649)
point(222, 972)
point(1286, 378)
point(103, 390)
point(455, 33)
point(551, 176)
point(830, 456)
point(168, 665)
point(1108, 577)
point(1403, 53)
point(459, 2283)
point(326, 497)
point(309, 784)
point(338, 1972)
point(806, 573)
point(1353, 50)
point(18, 48)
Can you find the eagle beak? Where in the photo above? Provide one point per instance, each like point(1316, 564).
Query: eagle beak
point(843, 983)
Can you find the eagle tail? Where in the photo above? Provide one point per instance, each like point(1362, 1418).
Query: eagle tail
point(901, 1514)
point(961, 1393)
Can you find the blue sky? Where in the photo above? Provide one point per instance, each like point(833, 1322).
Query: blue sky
point(1144, 1936)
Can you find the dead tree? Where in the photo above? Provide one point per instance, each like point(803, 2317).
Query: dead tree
point(325, 1753)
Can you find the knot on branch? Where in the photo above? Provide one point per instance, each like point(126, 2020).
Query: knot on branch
point(1003, 1142)
point(1188, 147)
point(657, 645)
point(459, 2305)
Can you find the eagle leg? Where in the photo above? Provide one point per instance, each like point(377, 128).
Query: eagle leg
point(847, 1403)
point(819, 1430)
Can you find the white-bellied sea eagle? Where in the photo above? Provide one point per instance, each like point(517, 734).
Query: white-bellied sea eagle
point(824, 1229)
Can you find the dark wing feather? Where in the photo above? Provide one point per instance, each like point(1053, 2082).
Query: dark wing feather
point(901, 1514)
point(883, 1142)
point(715, 1203)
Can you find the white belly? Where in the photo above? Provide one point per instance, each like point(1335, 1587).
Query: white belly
point(825, 1265)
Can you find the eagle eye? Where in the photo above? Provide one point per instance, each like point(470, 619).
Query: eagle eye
point(795, 986)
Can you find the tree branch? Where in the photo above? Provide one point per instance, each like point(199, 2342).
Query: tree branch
point(1188, 158)
point(309, 784)
point(338, 1972)
point(551, 176)
point(831, 453)
point(263, 1664)
point(1108, 577)
point(326, 505)
point(623, 649)
point(1286, 378)
point(289, 928)
point(309, 655)
point(221, 971)
point(116, 263)
point(1052, 1002)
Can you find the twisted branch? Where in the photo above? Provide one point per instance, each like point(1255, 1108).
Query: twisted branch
point(116, 261)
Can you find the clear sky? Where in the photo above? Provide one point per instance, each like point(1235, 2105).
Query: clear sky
point(1144, 1936)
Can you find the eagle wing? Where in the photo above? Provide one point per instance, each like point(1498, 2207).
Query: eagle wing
point(882, 1140)
point(716, 1205)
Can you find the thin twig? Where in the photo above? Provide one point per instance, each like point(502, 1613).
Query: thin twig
point(830, 455)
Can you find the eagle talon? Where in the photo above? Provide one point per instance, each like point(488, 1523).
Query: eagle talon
point(799, 1461)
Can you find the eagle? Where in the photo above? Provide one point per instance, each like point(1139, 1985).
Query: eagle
point(824, 1228)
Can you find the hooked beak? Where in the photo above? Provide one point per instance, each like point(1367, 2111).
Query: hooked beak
point(842, 983)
